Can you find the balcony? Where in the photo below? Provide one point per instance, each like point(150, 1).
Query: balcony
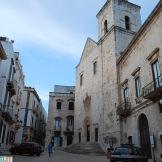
point(153, 91)
point(124, 109)
point(57, 129)
point(7, 113)
point(36, 111)
point(18, 124)
point(11, 86)
point(69, 130)
point(18, 99)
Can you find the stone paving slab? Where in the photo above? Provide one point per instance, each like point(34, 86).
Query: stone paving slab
point(60, 156)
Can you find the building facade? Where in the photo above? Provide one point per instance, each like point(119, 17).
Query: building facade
point(33, 118)
point(60, 124)
point(3, 55)
point(11, 85)
point(140, 83)
point(96, 74)
point(110, 105)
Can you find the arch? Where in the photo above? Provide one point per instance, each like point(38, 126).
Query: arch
point(71, 99)
point(58, 118)
point(70, 116)
point(127, 22)
point(144, 134)
point(59, 100)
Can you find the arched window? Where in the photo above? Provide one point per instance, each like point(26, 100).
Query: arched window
point(105, 27)
point(127, 22)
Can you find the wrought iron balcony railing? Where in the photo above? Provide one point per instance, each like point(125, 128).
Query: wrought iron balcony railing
point(69, 131)
point(7, 113)
point(70, 128)
point(12, 86)
point(153, 90)
point(124, 109)
point(57, 129)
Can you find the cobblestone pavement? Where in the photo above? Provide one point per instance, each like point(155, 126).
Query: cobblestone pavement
point(60, 156)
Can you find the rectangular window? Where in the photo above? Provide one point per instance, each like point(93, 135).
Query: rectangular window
point(156, 74)
point(95, 67)
point(81, 79)
point(59, 105)
point(71, 105)
point(58, 124)
point(160, 106)
point(70, 122)
point(138, 87)
point(125, 94)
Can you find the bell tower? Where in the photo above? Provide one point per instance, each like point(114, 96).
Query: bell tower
point(121, 17)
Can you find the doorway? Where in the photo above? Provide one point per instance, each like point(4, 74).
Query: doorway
point(144, 135)
point(88, 133)
point(79, 137)
point(69, 140)
point(96, 134)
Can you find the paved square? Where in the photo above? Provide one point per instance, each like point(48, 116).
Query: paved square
point(60, 156)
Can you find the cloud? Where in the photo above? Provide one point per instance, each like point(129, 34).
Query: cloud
point(29, 23)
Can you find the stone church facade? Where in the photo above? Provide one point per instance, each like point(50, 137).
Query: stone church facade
point(118, 80)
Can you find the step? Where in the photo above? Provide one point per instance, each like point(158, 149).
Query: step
point(88, 149)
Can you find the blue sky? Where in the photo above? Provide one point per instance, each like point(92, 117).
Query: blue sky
point(50, 36)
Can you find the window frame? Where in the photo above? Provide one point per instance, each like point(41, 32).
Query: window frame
point(57, 105)
point(71, 102)
point(138, 86)
point(81, 79)
point(94, 67)
point(105, 26)
point(57, 123)
point(126, 95)
point(127, 23)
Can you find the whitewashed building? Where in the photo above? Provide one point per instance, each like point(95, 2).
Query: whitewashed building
point(11, 85)
point(33, 118)
point(3, 55)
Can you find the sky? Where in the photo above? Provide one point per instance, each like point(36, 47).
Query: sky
point(50, 36)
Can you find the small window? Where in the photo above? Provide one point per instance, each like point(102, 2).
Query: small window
point(95, 67)
point(81, 79)
point(71, 105)
point(105, 27)
point(127, 22)
point(59, 105)
point(138, 87)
